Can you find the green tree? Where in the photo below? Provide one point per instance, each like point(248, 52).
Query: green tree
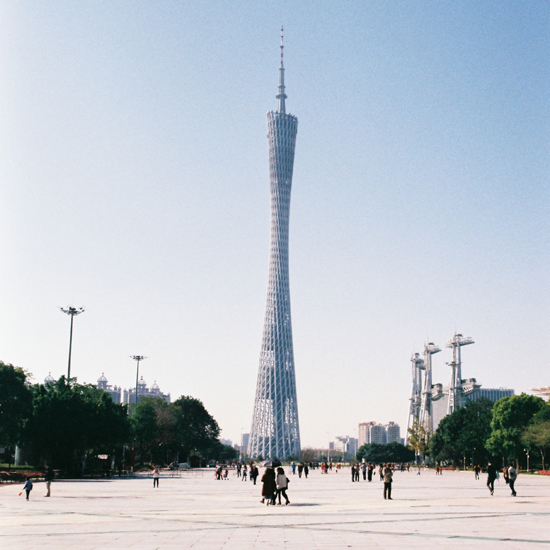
point(392, 452)
point(195, 428)
point(144, 427)
point(15, 404)
point(154, 428)
point(419, 438)
point(223, 453)
point(537, 436)
point(463, 433)
point(511, 415)
point(69, 420)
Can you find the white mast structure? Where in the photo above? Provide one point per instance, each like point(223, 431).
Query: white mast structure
point(426, 415)
point(455, 388)
point(418, 365)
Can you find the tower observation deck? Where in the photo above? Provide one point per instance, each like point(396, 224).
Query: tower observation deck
point(275, 432)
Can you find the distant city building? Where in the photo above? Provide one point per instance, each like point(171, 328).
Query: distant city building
point(244, 443)
point(377, 434)
point(344, 444)
point(115, 392)
point(472, 391)
point(143, 391)
point(393, 433)
point(331, 446)
point(49, 378)
point(373, 432)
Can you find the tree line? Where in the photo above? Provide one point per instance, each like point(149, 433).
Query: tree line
point(70, 425)
point(480, 431)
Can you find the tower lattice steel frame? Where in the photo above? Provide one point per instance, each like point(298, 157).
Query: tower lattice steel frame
point(275, 431)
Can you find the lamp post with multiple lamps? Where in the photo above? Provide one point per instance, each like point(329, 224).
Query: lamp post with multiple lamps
point(137, 359)
point(72, 311)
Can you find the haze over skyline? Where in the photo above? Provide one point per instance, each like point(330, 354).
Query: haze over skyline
point(135, 183)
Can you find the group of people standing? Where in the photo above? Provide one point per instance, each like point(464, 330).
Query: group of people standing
point(303, 468)
point(366, 468)
point(243, 469)
point(385, 471)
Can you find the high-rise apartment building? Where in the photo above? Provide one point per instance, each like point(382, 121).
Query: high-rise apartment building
point(393, 433)
point(373, 432)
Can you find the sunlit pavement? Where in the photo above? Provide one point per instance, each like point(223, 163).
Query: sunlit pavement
point(326, 511)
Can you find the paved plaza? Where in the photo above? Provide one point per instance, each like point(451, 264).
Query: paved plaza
point(326, 511)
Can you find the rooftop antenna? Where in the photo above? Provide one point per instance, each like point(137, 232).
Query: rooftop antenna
point(282, 45)
point(281, 96)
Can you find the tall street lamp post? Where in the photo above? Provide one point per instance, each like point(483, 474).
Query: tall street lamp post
point(72, 311)
point(137, 359)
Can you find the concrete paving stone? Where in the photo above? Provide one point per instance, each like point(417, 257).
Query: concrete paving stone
point(328, 511)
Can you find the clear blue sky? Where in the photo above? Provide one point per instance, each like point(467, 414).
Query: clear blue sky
point(134, 182)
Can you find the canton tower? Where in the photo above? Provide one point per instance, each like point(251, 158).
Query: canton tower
point(275, 432)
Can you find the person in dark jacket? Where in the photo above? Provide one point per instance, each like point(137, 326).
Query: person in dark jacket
point(388, 479)
point(28, 487)
point(269, 487)
point(491, 476)
point(254, 473)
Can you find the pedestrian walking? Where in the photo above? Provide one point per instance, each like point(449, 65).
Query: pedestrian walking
point(282, 485)
point(306, 469)
point(27, 487)
point(369, 472)
point(381, 472)
point(388, 478)
point(512, 476)
point(300, 469)
point(269, 486)
point(477, 469)
point(293, 468)
point(491, 476)
point(48, 478)
point(245, 473)
point(505, 474)
point(364, 468)
point(254, 473)
point(156, 476)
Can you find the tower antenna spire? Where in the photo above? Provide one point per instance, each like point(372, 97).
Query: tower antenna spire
point(282, 45)
point(281, 96)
